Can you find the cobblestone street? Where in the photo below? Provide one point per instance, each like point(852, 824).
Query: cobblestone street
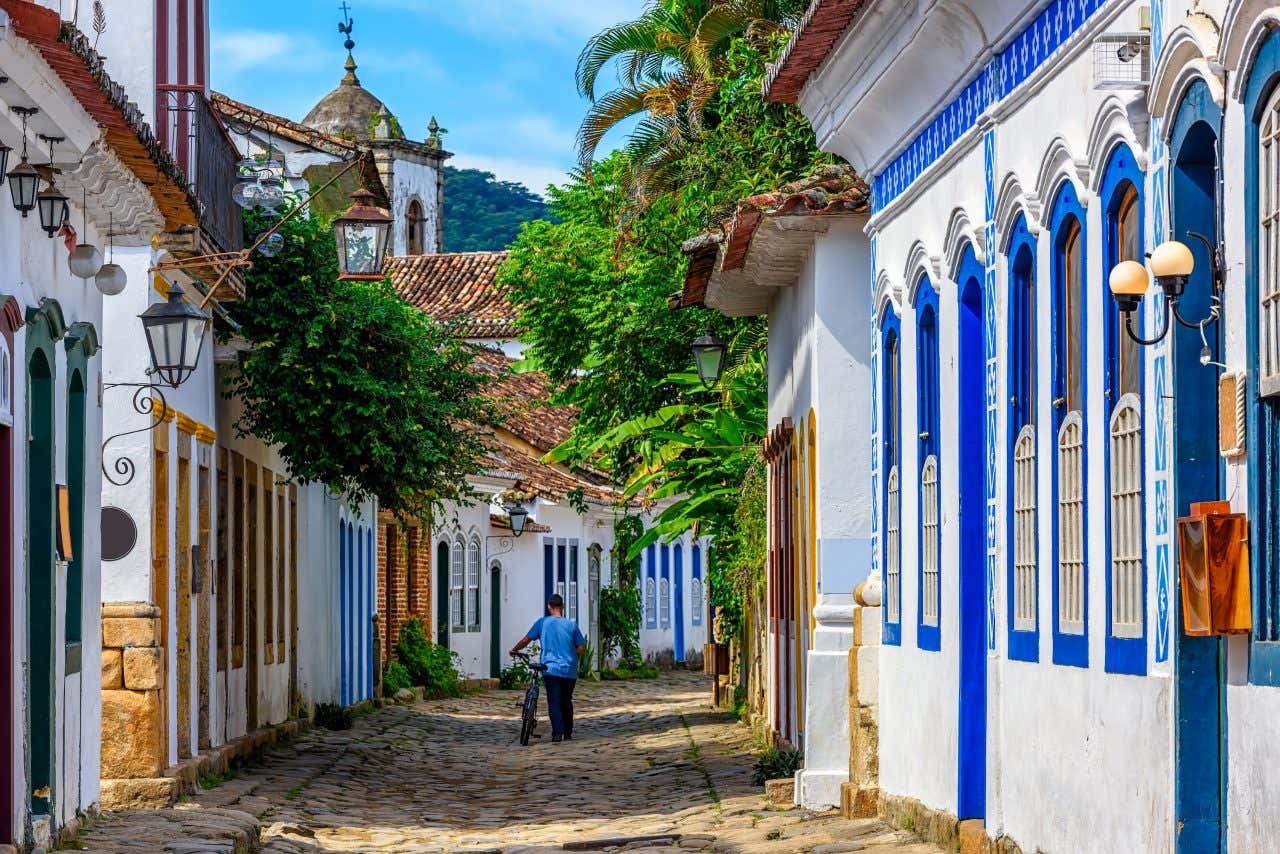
point(651, 767)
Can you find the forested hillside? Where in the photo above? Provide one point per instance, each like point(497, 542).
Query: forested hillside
point(483, 214)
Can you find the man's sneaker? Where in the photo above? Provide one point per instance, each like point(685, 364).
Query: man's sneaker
point(556, 739)
point(568, 736)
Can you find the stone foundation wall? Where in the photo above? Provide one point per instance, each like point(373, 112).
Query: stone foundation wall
point(941, 827)
point(859, 797)
point(133, 676)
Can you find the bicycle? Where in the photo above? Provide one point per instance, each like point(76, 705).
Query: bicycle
point(529, 708)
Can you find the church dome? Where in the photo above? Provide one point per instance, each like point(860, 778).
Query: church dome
point(353, 112)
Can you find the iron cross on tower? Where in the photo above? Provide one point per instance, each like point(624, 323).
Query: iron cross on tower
point(346, 26)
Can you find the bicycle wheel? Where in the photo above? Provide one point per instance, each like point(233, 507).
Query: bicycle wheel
point(526, 729)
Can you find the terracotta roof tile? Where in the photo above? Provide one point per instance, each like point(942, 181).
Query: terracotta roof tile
point(458, 287)
point(69, 54)
point(524, 401)
point(235, 110)
point(822, 26)
point(832, 191)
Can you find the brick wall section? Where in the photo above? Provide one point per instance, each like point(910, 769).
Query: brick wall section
point(404, 579)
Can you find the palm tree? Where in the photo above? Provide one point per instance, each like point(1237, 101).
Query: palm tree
point(669, 61)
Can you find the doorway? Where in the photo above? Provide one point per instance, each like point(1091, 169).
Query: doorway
point(495, 620)
point(40, 572)
point(442, 594)
point(593, 599)
point(971, 478)
point(1200, 662)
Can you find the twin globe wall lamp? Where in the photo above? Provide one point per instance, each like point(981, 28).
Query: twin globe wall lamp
point(1171, 265)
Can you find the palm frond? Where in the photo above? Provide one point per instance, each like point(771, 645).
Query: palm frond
point(621, 41)
point(603, 116)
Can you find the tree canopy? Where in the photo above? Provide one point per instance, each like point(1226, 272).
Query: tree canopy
point(358, 389)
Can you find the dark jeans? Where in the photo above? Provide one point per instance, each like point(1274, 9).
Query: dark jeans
point(560, 703)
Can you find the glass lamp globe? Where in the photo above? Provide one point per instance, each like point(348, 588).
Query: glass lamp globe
point(247, 192)
point(111, 279)
point(519, 516)
point(271, 247)
point(1172, 264)
point(24, 182)
point(708, 356)
point(271, 192)
point(361, 234)
point(85, 261)
point(175, 335)
point(1128, 281)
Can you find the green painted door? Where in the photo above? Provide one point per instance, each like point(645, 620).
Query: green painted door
point(40, 576)
point(442, 594)
point(495, 620)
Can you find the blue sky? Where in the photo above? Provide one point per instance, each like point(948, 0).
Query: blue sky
point(498, 74)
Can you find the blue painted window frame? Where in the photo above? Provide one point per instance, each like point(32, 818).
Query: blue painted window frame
point(1069, 649)
point(928, 404)
point(548, 569)
point(1021, 257)
point(1264, 641)
point(891, 455)
point(343, 616)
point(1121, 655)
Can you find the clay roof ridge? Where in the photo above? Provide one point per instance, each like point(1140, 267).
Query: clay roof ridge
point(823, 24)
point(299, 132)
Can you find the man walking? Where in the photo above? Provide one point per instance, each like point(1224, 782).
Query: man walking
point(562, 643)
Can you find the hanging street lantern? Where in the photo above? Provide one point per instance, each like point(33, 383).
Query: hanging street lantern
point(175, 334)
point(24, 180)
point(361, 234)
point(519, 516)
point(708, 356)
point(53, 209)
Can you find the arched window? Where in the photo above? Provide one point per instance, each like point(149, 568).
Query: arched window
point(891, 436)
point(473, 585)
point(928, 410)
point(1069, 346)
point(571, 597)
point(695, 584)
point(1262, 277)
point(1023, 567)
point(1126, 649)
point(651, 587)
point(457, 582)
point(664, 589)
point(414, 225)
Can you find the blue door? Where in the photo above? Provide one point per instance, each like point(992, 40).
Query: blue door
point(1199, 690)
point(971, 475)
point(678, 593)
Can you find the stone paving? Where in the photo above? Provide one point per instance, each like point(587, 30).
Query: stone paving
point(651, 768)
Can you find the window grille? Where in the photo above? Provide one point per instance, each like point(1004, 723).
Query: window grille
point(929, 541)
point(1126, 520)
point(473, 586)
point(893, 562)
point(1269, 249)
point(664, 602)
point(456, 586)
point(695, 600)
point(1071, 526)
point(571, 600)
point(1024, 530)
point(650, 604)
point(1122, 61)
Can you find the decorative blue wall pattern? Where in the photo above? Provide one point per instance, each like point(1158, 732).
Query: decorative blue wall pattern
point(1006, 71)
point(989, 330)
point(1159, 219)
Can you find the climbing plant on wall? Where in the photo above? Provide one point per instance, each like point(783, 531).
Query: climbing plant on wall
point(358, 389)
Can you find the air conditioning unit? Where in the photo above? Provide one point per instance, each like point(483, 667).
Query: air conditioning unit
point(1122, 61)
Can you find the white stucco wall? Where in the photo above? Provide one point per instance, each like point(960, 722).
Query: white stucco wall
point(1049, 727)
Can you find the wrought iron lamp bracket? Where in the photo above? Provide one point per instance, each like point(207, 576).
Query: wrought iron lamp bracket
point(144, 403)
point(506, 542)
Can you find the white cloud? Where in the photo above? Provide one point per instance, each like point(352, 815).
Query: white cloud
point(241, 50)
point(534, 175)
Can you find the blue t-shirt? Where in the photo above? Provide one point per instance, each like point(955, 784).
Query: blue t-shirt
point(560, 641)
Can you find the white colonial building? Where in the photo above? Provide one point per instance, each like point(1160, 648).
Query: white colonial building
point(1030, 457)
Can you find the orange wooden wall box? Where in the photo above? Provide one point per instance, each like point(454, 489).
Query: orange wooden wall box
point(1213, 550)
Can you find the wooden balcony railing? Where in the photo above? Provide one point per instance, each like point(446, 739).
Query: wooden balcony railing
point(196, 137)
